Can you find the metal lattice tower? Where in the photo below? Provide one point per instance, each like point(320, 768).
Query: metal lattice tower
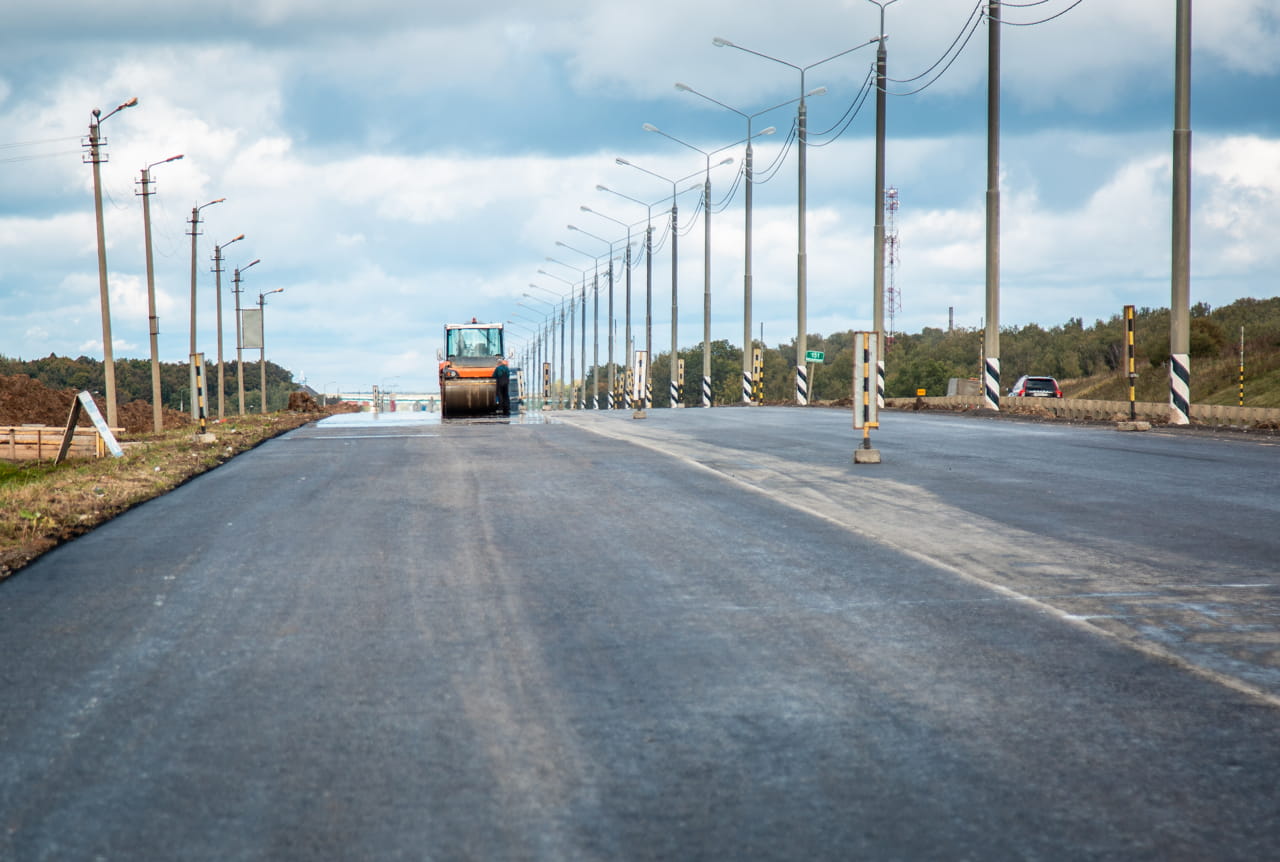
point(893, 298)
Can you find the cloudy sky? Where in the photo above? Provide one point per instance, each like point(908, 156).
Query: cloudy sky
point(396, 166)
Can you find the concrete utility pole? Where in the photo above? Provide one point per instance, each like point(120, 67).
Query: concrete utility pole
point(877, 252)
point(195, 231)
point(262, 364)
point(991, 341)
point(153, 322)
point(236, 289)
point(96, 158)
point(1180, 298)
point(217, 272)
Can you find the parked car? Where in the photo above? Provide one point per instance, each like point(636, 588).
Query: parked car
point(1036, 387)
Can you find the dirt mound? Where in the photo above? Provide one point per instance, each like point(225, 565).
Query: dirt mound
point(26, 401)
point(302, 402)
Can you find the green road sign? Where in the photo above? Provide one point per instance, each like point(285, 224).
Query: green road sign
point(814, 356)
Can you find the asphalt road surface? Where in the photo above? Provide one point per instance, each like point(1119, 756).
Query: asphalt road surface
point(701, 635)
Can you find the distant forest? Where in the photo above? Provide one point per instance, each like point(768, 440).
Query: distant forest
point(133, 380)
point(1087, 360)
point(1070, 352)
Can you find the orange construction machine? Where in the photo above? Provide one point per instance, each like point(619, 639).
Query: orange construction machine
point(474, 375)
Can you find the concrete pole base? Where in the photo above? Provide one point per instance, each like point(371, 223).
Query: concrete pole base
point(866, 456)
point(638, 414)
point(204, 439)
point(1133, 426)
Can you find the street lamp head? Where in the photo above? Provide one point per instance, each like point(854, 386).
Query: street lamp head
point(722, 43)
point(211, 203)
point(769, 131)
point(237, 239)
point(255, 263)
point(684, 88)
point(726, 161)
point(574, 227)
point(650, 127)
point(128, 104)
point(817, 91)
point(622, 161)
point(559, 243)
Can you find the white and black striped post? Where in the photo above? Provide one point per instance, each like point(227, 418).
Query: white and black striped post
point(198, 394)
point(757, 384)
point(1180, 302)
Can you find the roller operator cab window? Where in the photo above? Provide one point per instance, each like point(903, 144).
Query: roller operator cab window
point(475, 342)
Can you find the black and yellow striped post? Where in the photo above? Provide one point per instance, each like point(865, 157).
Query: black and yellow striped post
point(866, 408)
point(546, 382)
point(1242, 366)
point(679, 387)
point(1130, 362)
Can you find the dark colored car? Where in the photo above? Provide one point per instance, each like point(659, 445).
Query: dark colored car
point(1036, 387)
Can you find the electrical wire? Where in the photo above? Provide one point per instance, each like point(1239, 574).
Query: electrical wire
point(31, 158)
point(772, 171)
point(693, 219)
point(733, 190)
point(972, 29)
point(854, 109)
point(975, 11)
point(16, 144)
point(1042, 20)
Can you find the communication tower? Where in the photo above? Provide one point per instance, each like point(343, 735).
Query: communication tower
point(893, 298)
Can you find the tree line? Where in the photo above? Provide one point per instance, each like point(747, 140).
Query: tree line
point(133, 380)
point(930, 358)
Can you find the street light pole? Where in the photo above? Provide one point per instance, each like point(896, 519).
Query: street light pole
point(802, 370)
point(646, 385)
point(706, 252)
point(217, 271)
point(609, 334)
point(236, 289)
point(991, 335)
point(551, 332)
point(262, 364)
point(96, 158)
point(675, 260)
point(595, 293)
point(747, 339)
point(877, 251)
point(572, 300)
point(626, 266)
point(153, 322)
point(195, 231)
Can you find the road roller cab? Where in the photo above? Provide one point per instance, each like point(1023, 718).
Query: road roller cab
point(473, 371)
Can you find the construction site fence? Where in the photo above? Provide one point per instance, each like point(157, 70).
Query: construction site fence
point(38, 442)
